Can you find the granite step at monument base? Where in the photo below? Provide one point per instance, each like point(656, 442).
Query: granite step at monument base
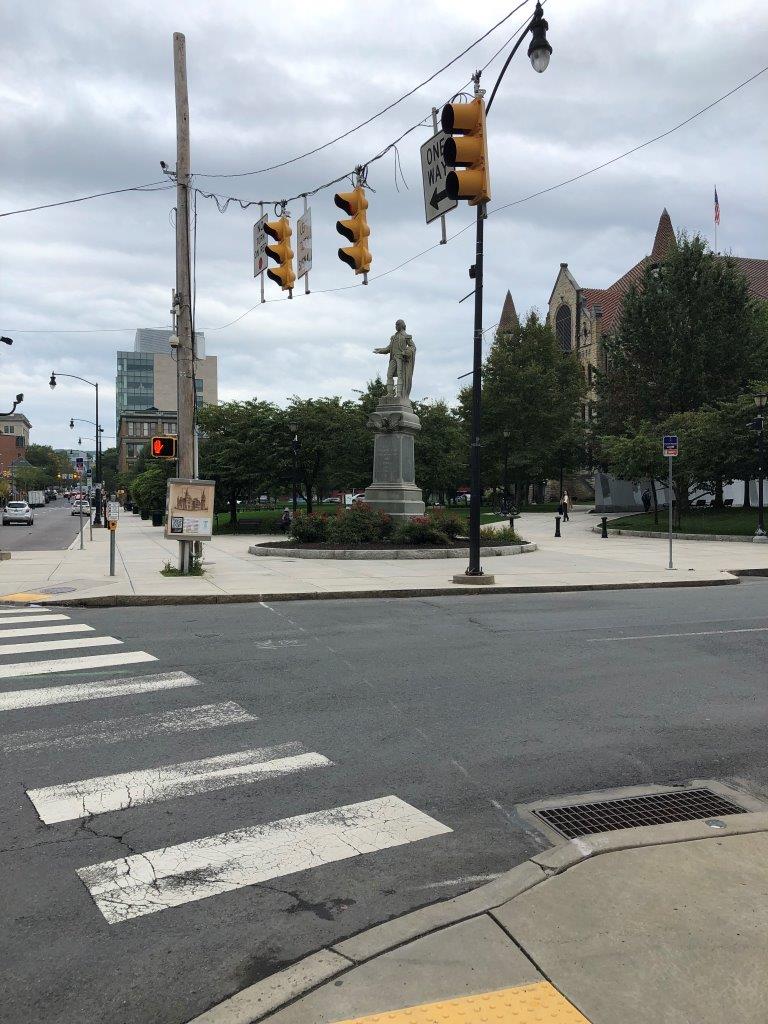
point(399, 500)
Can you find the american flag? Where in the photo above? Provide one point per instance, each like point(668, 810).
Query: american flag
point(717, 207)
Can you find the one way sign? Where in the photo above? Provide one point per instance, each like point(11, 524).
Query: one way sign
point(433, 172)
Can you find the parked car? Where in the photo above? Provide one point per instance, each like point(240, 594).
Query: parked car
point(83, 504)
point(18, 512)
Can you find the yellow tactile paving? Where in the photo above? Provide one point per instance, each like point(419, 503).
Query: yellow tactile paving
point(526, 1004)
point(24, 597)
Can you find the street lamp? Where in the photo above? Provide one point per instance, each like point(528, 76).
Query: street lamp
point(539, 52)
point(295, 458)
point(94, 384)
point(761, 399)
point(6, 341)
point(505, 433)
point(19, 400)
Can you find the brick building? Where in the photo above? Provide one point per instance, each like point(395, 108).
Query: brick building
point(14, 439)
point(135, 430)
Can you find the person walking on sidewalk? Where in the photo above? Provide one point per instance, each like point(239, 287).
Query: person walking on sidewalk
point(566, 501)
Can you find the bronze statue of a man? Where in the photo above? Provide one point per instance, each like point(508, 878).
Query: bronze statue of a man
point(402, 356)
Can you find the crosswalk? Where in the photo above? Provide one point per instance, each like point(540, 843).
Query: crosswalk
point(178, 872)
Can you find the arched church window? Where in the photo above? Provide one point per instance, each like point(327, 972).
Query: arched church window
point(563, 327)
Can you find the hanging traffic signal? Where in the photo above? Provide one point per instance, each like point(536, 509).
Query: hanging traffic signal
point(468, 150)
point(356, 229)
point(163, 447)
point(281, 252)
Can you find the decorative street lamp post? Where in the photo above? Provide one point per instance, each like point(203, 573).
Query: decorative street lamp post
point(761, 400)
point(52, 383)
point(295, 460)
point(505, 499)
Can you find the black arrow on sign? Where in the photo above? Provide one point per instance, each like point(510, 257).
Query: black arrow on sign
point(437, 198)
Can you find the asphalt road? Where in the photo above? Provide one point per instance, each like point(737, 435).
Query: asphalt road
point(459, 707)
point(54, 529)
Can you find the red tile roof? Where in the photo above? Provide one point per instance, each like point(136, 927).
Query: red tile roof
point(610, 299)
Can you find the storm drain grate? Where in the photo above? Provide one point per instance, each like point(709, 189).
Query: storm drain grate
point(576, 820)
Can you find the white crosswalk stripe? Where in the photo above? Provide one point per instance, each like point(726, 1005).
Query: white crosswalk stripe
point(20, 611)
point(132, 789)
point(145, 883)
point(46, 617)
point(36, 646)
point(73, 627)
point(16, 700)
point(44, 668)
point(134, 727)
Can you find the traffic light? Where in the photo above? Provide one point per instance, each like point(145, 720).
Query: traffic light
point(355, 229)
point(163, 447)
point(468, 150)
point(281, 252)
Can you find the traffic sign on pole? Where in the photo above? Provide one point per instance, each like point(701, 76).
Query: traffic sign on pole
point(304, 244)
point(260, 261)
point(670, 445)
point(433, 175)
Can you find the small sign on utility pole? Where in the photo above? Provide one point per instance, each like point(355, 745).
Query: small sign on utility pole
point(259, 246)
point(671, 451)
point(433, 175)
point(304, 246)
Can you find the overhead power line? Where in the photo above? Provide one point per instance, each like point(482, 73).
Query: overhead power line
point(149, 187)
point(373, 117)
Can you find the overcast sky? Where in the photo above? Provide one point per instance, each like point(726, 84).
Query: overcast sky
point(86, 92)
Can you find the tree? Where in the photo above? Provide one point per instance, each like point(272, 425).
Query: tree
point(689, 336)
point(242, 449)
point(44, 458)
point(30, 478)
point(109, 470)
point(149, 487)
point(442, 462)
point(533, 391)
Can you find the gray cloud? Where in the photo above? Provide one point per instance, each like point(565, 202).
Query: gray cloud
point(87, 101)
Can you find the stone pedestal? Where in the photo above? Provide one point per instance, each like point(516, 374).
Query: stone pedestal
point(394, 488)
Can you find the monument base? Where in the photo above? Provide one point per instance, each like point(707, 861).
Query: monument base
point(394, 489)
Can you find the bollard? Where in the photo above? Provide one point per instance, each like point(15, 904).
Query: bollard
point(557, 526)
point(604, 533)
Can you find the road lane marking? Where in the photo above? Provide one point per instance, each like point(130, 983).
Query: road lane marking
point(133, 727)
point(88, 661)
point(81, 799)
point(666, 636)
point(47, 617)
point(76, 692)
point(145, 883)
point(74, 627)
point(57, 645)
point(19, 611)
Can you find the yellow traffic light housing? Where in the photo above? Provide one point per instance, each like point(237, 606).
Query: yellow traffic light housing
point(469, 150)
point(281, 252)
point(356, 229)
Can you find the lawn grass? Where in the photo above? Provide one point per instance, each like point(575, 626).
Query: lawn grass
point(734, 522)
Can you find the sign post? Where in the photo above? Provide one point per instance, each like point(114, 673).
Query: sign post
point(260, 260)
point(433, 175)
point(113, 514)
point(671, 452)
point(304, 246)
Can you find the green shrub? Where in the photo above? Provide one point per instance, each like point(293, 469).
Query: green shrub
point(504, 535)
point(450, 523)
point(419, 530)
point(360, 524)
point(309, 529)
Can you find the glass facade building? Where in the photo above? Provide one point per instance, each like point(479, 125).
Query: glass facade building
point(135, 383)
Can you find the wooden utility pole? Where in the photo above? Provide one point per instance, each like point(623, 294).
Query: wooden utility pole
point(185, 369)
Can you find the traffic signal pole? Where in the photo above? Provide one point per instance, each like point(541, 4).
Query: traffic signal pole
point(185, 353)
point(473, 569)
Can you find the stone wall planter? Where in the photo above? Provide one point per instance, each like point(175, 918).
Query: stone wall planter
point(362, 554)
point(722, 537)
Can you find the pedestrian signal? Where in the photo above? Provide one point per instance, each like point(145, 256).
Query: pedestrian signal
point(163, 447)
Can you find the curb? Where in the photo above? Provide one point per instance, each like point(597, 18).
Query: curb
point(706, 537)
point(257, 1002)
point(395, 554)
point(457, 590)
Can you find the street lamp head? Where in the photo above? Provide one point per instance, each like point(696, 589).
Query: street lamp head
point(19, 398)
point(6, 341)
point(760, 401)
point(539, 50)
point(71, 424)
point(52, 381)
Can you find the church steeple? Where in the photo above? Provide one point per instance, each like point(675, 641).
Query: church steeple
point(665, 241)
point(508, 319)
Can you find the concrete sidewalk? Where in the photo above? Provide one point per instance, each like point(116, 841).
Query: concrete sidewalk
point(659, 925)
point(579, 560)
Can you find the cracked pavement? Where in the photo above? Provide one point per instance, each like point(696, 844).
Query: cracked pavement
point(461, 708)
